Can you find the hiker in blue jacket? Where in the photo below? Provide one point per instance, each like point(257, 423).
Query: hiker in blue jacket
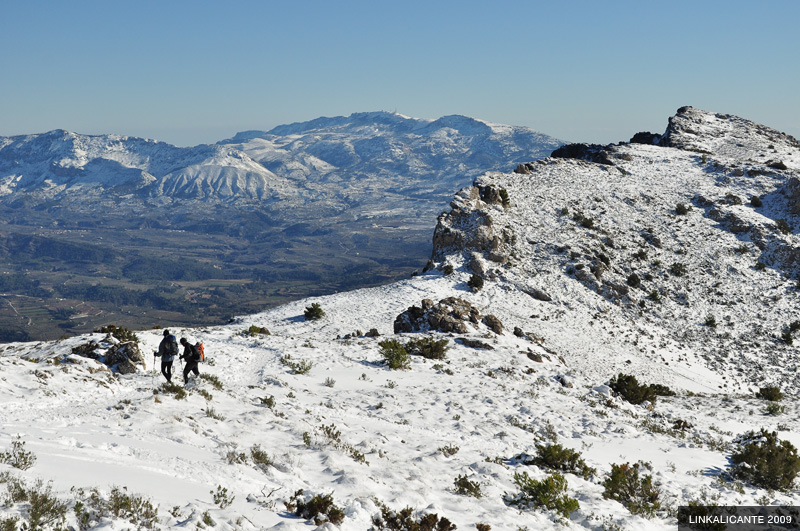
point(191, 357)
point(167, 350)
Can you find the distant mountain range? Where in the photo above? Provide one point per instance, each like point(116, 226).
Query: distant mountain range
point(332, 198)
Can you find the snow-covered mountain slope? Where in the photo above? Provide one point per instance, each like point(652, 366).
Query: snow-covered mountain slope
point(61, 162)
point(423, 157)
point(557, 260)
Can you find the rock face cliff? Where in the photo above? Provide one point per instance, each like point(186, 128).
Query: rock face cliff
point(687, 246)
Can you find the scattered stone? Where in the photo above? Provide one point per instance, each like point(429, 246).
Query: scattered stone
point(494, 324)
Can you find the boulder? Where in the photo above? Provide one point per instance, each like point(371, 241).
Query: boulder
point(124, 357)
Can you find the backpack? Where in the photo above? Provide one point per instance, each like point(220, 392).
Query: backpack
point(171, 348)
point(200, 351)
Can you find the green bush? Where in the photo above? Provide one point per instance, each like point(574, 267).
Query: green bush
point(783, 226)
point(756, 201)
point(633, 280)
point(18, 456)
point(628, 387)
point(678, 269)
point(119, 332)
point(448, 269)
point(297, 367)
point(636, 492)
point(466, 487)
point(681, 209)
point(212, 379)
point(404, 520)
point(314, 312)
point(475, 282)
point(765, 461)
point(711, 321)
point(428, 348)
point(549, 493)
point(771, 393)
point(319, 509)
point(556, 457)
point(394, 354)
point(256, 331)
point(504, 197)
point(170, 388)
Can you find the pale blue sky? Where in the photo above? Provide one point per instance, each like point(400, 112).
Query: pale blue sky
point(190, 72)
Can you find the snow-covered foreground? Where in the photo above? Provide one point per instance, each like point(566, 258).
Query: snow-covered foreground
point(446, 436)
point(88, 428)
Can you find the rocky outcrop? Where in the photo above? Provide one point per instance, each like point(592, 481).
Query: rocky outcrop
point(452, 314)
point(468, 226)
point(122, 358)
point(588, 152)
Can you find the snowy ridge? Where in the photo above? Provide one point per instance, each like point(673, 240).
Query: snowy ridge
point(572, 318)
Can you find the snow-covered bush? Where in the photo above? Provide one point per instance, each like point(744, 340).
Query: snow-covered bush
point(771, 393)
point(427, 347)
point(466, 487)
point(404, 520)
point(765, 461)
point(629, 388)
point(18, 456)
point(636, 492)
point(314, 312)
point(556, 457)
point(119, 332)
point(394, 354)
point(681, 209)
point(319, 508)
point(475, 282)
point(549, 493)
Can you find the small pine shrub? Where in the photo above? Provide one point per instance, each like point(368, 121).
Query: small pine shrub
point(756, 201)
point(119, 332)
point(681, 209)
point(711, 321)
point(449, 450)
point(213, 380)
point(654, 296)
point(260, 458)
point(771, 393)
point(466, 487)
point(314, 312)
point(549, 493)
point(783, 226)
point(221, 497)
point(170, 388)
point(319, 509)
point(636, 492)
point(761, 266)
point(448, 270)
point(18, 456)
point(774, 409)
point(297, 367)
point(583, 221)
point(404, 520)
point(786, 336)
point(628, 387)
point(256, 331)
point(428, 348)
point(556, 457)
point(633, 280)
point(678, 269)
point(475, 282)
point(504, 198)
point(394, 354)
point(765, 461)
point(733, 199)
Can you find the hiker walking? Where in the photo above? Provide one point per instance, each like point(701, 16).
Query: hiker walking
point(191, 356)
point(167, 350)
